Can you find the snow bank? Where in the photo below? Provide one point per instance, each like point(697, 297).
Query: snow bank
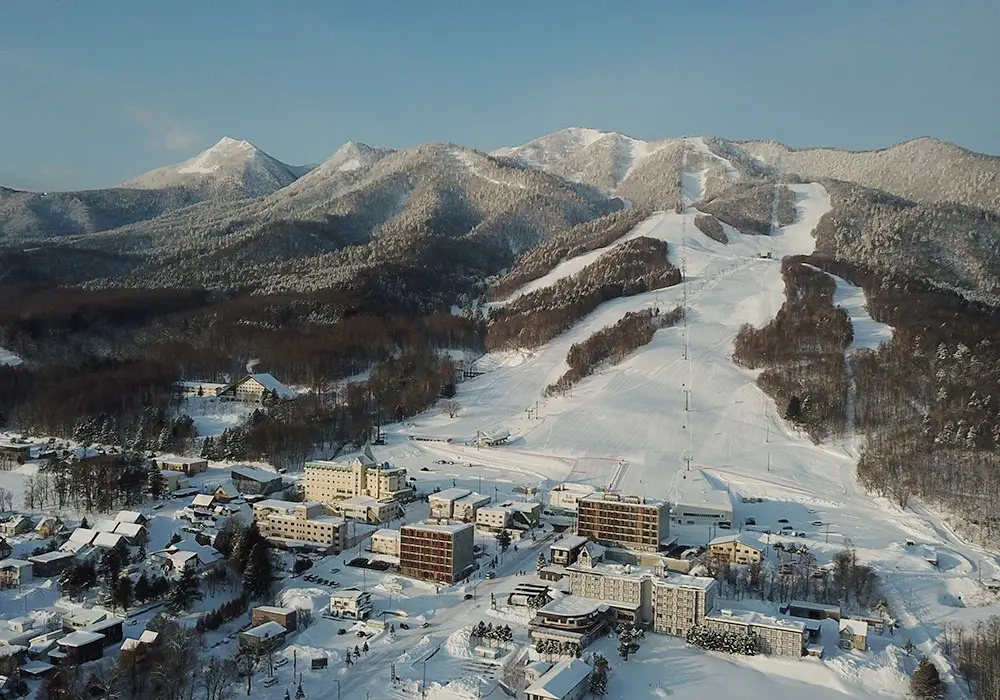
point(8, 358)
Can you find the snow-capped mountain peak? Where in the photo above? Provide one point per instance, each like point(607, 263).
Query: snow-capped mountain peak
point(232, 168)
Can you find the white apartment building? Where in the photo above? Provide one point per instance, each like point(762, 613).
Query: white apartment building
point(494, 518)
point(329, 482)
point(442, 503)
point(777, 636)
point(367, 509)
point(465, 509)
point(564, 497)
point(351, 603)
point(302, 522)
point(681, 602)
point(385, 542)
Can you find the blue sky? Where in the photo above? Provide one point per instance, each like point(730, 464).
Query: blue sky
point(95, 93)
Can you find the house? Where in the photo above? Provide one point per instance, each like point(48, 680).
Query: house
point(5, 549)
point(853, 634)
point(286, 617)
point(567, 680)
point(253, 388)
point(204, 501)
point(77, 648)
point(17, 525)
point(437, 551)
point(255, 482)
point(78, 539)
point(811, 611)
point(385, 542)
point(14, 451)
point(175, 481)
point(134, 651)
point(51, 563)
point(131, 517)
point(738, 548)
point(133, 533)
point(185, 555)
point(15, 572)
point(534, 671)
point(37, 669)
point(111, 628)
point(108, 540)
point(571, 619)
point(226, 491)
point(566, 550)
point(351, 603)
point(104, 525)
point(48, 526)
point(264, 637)
point(186, 465)
point(78, 618)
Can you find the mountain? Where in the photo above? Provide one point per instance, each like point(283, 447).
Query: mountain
point(924, 169)
point(230, 169)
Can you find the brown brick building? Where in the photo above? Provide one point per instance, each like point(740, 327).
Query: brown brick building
point(629, 522)
point(439, 552)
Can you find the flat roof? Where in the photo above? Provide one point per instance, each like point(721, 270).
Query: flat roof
point(686, 581)
point(569, 542)
point(352, 593)
point(274, 610)
point(80, 638)
point(813, 606)
point(33, 668)
point(14, 562)
point(695, 488)
point(749, 617)
point(473, 498)
point(452, 494)
point(266, 629)
point(746, 537)
point(255, 474)
point(438, 527)
point(367, 501)
point(623, 499)
point(278, 504)
point(571, 605)
point(561, 679)
point(386, 533)
point(181, 460)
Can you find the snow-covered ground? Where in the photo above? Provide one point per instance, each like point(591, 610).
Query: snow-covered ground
point(9, 358)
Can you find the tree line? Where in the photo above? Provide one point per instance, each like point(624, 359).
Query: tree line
point(612, 344)
point(636, 266)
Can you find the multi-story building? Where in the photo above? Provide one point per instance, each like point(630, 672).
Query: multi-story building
point(465, 509)
point(442, 503)
point(302, 522)
point(286, 617)
point(629, 522)
point(329, 482)
point(700, 499)
point(185, 465)
point(437, 551)
point(571, 619)
point(351, 603)
point(625, 588)
point(566, 550)
point(251, 481)
point(367, 509)
point(493, 518)
point(681, 602)
point(564, 498)
point(385, 542)
point(738, 548)
point(776, 635)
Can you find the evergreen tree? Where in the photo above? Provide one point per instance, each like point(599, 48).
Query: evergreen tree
point(598, 685)
point(299, 693)
point(185, 590)
point(258, 576)
point(244, 540)
point(157, 484)
point(540, 564)
point(208, 448)
point(124, 593)
point(793, 412)
point(503, 540)
point(83, 523)
point(166, 438)
point(142, 589)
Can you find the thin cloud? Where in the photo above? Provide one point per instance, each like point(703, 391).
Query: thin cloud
point(163, 131)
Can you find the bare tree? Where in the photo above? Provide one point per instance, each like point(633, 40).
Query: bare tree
point(452, 408)
point(218, 678)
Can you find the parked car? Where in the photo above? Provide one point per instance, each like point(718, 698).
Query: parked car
point(281, 662)
point(403, 626)
point(334, 571)
point(744, 499)
point(786, 528)
point(750, 521)
point(817, 523)
point(725, 525)
point(424, 625)
point(490, 575)
point(341, 631)
point(468, 596)
point(362, 634)
point(800, 534)
point(424, 469)
point(782, 520)
point(759, 500)
point(272, 681)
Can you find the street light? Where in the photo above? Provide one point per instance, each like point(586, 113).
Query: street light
point(337, 681)
point(423, 682)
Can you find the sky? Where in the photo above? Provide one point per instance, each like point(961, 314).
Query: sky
point(96, 93)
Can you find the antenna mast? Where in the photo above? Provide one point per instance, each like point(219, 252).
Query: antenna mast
point(687, 330)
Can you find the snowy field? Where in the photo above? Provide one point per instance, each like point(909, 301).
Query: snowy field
point(9, 358)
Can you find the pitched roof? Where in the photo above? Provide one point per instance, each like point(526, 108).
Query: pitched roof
point(267, 629)
point(129, 529)
point(129, 516)
point(271, 384)
point(105, 525)
point(79, 639)
point(255, 474)
point(108, 540)
point(148, 636)
point(749, 539)
point(203, 500)
point(82, 535)
point(858, 627)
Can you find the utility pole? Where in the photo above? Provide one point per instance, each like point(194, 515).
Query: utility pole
point(769, 461)
point(423, 682)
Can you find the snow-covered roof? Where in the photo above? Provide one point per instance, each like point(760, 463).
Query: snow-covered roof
point(750, 617)
point(36, 667)
point(267, 629)
point(560, 680)
point(347, 594)
point(14, 564)
point(129, 516)
point(387, 534)
point(473, 497)
point(449, 495)
point(814, 606)
point(82, 535)
point(271, 384)
point(569, 543)
point(747, 538)
point(858, 628)
point(203, 500)
point(148, 636)
point(129, 644)
point(129, 529)
point(686, 581)
point(439, 527)
point(254, 474)
point(50, 556)
point(359, 502)
point(274, 610)
point(695, 488)
point(107, 540)
point(625, 499)
point(182, 460)
point(105, 525)
point(80, 638)
point(227, 487)
point(277, 504)
point(573, 606)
